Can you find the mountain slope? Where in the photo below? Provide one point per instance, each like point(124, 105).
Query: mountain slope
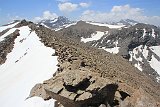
point(28, 63)
point(135, 43)
point(86, 76)
point(77, 58)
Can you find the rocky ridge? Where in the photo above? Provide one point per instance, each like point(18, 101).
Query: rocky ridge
point(131, 42)
point(78, 57)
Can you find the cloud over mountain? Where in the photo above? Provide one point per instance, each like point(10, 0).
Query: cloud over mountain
point(120, 12)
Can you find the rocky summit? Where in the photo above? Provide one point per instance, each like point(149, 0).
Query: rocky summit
point(87, 72)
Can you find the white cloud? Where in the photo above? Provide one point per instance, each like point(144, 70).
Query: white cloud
point(70, 7)
point(67, 7)
point(63, 0)
point(85, 5)
point(47, 15)
point(11, 17)
point(120, 12)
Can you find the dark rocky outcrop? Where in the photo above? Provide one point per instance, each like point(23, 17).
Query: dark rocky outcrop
point(6, 45)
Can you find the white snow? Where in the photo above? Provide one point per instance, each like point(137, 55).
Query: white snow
point(131, 56)
point(156, 50)
point(138, 66)
point(65, 26)
point(105, 33)
point(94, 36)
point(107, 25)
point(68, 25)
point(114, 50)
point(6, 34)
point(29, 63)
point(155, 64)
point(144, 32)
point(45, 25)
point(139, 59)
point(145, 52)
point(158, 79)
point(54, 20)
point(8, 26)
point(153, 33)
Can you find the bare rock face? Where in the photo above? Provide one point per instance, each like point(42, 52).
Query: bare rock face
point(83, 88)
point(80, 89)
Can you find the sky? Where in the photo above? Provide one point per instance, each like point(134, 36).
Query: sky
point(146, 11)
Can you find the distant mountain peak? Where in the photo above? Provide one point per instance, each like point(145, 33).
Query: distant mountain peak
point(55, 23)
point(128, 22)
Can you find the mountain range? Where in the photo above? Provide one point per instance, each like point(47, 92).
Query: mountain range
point(63, 63)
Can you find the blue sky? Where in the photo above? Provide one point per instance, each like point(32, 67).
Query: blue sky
point(147, 11)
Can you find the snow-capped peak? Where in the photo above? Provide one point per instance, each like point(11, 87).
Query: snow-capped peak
point(127, 22)
point(56, 23)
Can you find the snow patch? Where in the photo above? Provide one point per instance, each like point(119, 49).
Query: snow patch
point(68, 25)
point(65, 26)
point(135, 54)
point(94, 36)
point(55, 20)
point(107, 25)
point(8, 26)
point(154, 62)
point(45, 25)
point(6, 34)
point(138, 66)
point(144, 32)
point(114, 50)
point(153, 33)
point(18, 78)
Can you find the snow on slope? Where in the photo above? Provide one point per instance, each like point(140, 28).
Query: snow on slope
point(29, 63)
point(114, 50)
point(68, 25)
point(94, 36)
point(107, 25)
point(6, 34)
point(45, 25)
point(139, 59)
point(154, 63)
point(8, 26)
point(64, 26)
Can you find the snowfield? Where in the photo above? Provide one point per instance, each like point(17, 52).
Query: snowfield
point(8, 26)
point(107, 25)
point(114, 50)
point(29, 63)
point(64, 26)
point(94, 36)
point(6, 34)
point(154, 63)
